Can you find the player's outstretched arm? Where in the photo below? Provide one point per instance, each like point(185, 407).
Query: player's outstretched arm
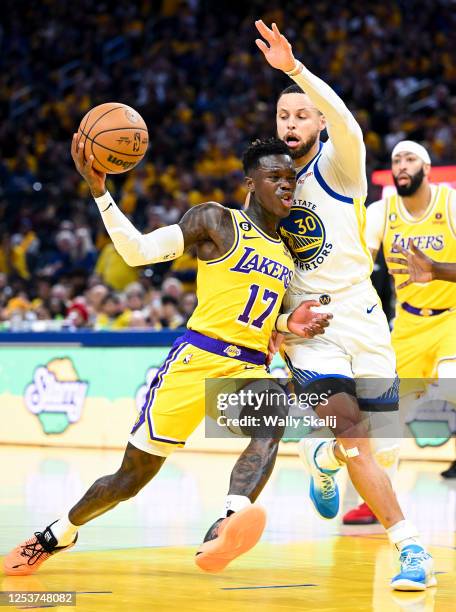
point(420, 267)
point(345, 133)
point(202, 224)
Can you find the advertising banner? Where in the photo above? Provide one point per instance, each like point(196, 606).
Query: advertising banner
point(90, 397)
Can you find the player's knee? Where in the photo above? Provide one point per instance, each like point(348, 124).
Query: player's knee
point(338, 401)
point(353, 427)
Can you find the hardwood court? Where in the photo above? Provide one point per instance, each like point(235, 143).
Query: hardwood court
point(140, 555)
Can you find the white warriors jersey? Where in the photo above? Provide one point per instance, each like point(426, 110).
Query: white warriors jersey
point(326, 226)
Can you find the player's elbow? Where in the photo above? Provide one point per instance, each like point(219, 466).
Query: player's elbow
point(132, 249)
point(353, 131)
point(131, 258)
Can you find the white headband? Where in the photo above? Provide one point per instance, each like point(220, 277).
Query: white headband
point(408, 146)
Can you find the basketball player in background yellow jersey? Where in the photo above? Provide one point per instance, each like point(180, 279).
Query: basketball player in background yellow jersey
point(419, 222)
point(243, 271)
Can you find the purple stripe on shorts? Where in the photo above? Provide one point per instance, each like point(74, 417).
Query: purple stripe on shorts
point(224, 349)
point(178, 347)
point(156, 382)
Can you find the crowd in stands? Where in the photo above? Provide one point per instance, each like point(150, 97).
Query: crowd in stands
point(191, 68)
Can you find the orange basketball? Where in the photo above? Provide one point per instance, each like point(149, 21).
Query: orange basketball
point(116, 135)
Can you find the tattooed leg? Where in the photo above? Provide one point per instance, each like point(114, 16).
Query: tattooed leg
point(250, 473)
point(253, 468)
point(137, 469)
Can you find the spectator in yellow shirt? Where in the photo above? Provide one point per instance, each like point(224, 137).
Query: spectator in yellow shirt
point(113, 270)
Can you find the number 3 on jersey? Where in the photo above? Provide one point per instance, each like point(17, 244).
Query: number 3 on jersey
point(269, 297)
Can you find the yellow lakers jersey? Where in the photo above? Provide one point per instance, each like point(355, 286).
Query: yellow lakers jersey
point(434, 234)
point(239, 294)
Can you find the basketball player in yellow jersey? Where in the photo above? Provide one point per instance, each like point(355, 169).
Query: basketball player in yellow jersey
point(243, 272)
point(420, 223)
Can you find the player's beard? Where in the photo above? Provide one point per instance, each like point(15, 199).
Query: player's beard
point(415, 183)
point(305, 147)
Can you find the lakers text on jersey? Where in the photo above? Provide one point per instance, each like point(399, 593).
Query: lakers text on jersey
point(239, 294)
point(434, 234)
point(239, 297)
point(424, 331)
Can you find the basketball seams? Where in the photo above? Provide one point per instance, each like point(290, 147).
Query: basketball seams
point(82, 127)
point(120, 128)
point(103, 115)
point(91, 137)
point(98, 161)
point(92, 126)
point(92, 140)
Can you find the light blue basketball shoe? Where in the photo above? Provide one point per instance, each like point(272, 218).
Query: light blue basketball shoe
point(417, 570)
point(323, 490)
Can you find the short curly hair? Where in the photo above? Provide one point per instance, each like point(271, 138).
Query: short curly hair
point(262, 148)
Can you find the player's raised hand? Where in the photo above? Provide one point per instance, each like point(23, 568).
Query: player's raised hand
point(279, 53)
point(96, 180)
point(417, 265)
point(305, 322)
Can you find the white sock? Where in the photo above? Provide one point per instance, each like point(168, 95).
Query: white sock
point(325, 457)
point(402, 534)
point(64, 531)
point(234, 503)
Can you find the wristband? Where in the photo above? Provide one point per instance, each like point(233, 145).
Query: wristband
point(296, 70)
point(281, 323)
point(104, 202)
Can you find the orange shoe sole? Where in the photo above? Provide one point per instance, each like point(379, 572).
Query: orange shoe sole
point(238, 534)
point(13, 564)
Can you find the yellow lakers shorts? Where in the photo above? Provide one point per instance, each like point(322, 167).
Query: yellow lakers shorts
point(176, 400)
point(421, 343)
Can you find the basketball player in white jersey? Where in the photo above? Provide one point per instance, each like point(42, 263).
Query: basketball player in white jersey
point(325, 233)
point(420, 215)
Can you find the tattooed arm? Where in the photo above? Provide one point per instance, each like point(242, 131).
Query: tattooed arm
point(209, 226)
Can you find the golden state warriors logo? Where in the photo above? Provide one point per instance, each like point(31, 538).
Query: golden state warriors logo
point(303, 233)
